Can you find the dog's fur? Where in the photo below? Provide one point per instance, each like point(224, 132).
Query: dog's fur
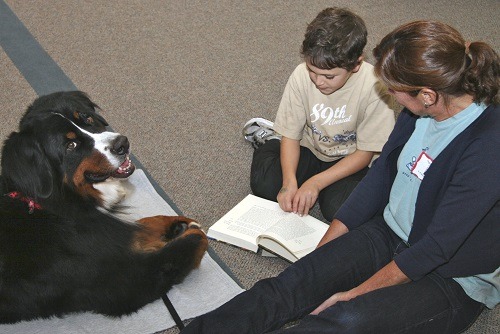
point(59, 253)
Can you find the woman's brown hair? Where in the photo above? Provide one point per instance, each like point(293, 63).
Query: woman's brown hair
point(434, 55)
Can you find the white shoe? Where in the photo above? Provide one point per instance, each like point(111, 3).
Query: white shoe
point(259, 130)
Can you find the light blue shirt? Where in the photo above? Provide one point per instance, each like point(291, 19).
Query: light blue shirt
point(428, 140)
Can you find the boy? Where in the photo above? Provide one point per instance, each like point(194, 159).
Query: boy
point(333, 117)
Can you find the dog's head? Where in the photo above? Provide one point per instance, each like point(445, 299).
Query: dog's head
point(62, 146)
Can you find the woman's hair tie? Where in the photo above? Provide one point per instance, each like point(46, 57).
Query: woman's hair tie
point(467, 45)
point(468, 59)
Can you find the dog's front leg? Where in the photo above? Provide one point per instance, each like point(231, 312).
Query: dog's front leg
point(183, 254)
point(157, 231)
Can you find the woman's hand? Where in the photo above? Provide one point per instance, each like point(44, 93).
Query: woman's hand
point(338, 297)
point(387, 276)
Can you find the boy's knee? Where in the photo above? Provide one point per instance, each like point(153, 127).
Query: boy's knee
point(328, 209)
point(261, 188)
point(269, 150)
point(265, 174)
point(328, 213)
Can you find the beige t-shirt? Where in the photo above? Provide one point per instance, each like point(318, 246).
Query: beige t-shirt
point(357, 116)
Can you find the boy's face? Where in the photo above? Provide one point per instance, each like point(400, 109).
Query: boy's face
point(329, 81)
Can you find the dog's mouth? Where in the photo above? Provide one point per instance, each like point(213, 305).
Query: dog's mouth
point(123, 171)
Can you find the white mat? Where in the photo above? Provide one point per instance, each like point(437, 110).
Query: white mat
point(203, 290)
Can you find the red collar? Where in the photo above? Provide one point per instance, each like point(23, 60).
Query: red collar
point(32, 205)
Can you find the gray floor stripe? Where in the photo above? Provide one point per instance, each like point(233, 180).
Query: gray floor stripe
point(39, 69)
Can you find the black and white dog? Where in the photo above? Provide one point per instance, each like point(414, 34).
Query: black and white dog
point(60, 253)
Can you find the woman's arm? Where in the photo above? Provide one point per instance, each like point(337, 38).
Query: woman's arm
point(387, 276)
point(446, 226)
point(335, 230)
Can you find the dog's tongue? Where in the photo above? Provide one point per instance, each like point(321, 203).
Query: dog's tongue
point(125, 169)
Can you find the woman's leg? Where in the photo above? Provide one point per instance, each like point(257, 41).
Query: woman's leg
point(337, 266)
point(430, 305)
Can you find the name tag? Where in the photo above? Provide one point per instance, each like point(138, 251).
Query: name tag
point(421, 165)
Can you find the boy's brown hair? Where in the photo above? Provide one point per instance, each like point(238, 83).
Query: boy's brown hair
point(335, 38)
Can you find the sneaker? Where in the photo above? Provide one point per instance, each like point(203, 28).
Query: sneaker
point(259, 130)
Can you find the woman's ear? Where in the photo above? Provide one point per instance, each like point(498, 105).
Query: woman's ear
point(428, 97)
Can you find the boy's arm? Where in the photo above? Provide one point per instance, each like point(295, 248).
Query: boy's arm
point(308, 193)
point(289, 158)
point(347, 166)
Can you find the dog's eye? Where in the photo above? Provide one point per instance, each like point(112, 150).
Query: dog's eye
point(84, 117)
point(88, 120)
point(72, 145)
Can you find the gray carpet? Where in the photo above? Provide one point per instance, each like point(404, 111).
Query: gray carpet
point(180, 78)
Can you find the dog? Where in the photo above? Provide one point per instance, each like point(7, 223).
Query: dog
point(61, 251)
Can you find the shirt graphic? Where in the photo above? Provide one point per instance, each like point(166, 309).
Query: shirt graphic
point(411, 165)
point(324, 116)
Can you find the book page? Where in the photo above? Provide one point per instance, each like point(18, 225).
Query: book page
point(245, 222)
point(254, 221)
point(255, 216)
point(297, 233)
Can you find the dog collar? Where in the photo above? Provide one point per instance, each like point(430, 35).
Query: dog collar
point(32, 205)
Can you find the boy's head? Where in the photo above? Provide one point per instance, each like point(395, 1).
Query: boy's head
point(335, 38)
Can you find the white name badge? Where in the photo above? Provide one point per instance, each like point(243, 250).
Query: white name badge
point(421, 165)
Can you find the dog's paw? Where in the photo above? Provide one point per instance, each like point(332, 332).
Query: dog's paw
point(179, 225)
point(194, 225)
point(175, 229)
point(159, 230)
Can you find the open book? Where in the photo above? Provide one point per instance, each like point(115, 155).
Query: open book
point(256, 222)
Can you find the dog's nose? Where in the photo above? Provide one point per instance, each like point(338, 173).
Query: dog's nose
point(120, 145)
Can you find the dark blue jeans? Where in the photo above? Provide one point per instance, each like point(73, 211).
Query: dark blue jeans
point(430, 305)
point(266, 177)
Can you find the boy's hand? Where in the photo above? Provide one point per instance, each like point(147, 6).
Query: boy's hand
point(285, 197)
point(305, 197)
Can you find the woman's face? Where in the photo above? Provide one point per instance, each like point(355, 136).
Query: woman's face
point(413, 103)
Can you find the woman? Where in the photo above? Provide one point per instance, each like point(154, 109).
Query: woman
point(415, 248)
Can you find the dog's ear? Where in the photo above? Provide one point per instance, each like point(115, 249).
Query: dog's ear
point(84, 98)
point(101, 119)
point(25, 168)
